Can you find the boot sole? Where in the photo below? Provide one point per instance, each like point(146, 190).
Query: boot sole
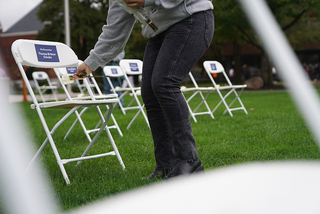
point(199, 169)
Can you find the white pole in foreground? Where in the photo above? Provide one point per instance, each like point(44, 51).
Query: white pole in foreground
point(20, 191)
point(290, 69)
point(67, 31)
point(67, 22)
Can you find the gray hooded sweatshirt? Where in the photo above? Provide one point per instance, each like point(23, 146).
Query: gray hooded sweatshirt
point(116, 32)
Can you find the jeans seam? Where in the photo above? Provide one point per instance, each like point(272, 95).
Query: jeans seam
point(177, 56)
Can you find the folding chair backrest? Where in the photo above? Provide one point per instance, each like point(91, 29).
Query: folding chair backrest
point(113, 71)
point(40, 75)
point(131, 66)
point(43, 54)
point(215, 67)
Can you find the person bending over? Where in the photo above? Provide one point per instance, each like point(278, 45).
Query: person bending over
point(185, 31)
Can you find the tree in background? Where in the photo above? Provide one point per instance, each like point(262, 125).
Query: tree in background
point(293, 17)
point(296, 18)
point(136, 43)
point(86, 20)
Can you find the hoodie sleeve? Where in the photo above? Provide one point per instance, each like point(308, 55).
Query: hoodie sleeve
point(114, 36)
point(162, 4)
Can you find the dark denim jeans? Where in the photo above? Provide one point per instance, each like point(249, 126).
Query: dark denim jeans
point(168, 58)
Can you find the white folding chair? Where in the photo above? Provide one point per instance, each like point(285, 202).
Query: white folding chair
point(133, 67)
point(71, 70)
point(83, 87)
point(43, 84)
point(196, 90)
point(91, 83)
point(44, 54)
point(212, 67)
point(116, 72)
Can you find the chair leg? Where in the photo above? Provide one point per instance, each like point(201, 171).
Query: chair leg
point(133, 119)
point(51, 141)
point(115, 149)
point(54, 91)
point(104, 127)
point(116, 125)
point(144, 115)
point(224, 102)
point(190, 110)
point(41, 96)
point(203, 101)
point(120, 104)
point(114, 122)
point(81, 123)
point(237, 97)
point(195, 112)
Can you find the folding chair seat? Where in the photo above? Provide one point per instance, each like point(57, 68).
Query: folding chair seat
point(196, 90)
point(214, 67)
point(44, 54)
point(43, 84)
point(71, 70)
point(132, 67)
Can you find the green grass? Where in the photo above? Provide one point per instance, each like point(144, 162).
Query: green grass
point(272, 130)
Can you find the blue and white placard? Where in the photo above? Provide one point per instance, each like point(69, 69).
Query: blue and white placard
point(71, 70)
point(47, 53)
point(114, 71)
point(134, 67)
point(213, 67)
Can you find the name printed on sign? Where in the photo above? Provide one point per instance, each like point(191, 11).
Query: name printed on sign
point(47, 53)
point(71, 70)
point(134, 67)
point(114, 71)
point(213, 67)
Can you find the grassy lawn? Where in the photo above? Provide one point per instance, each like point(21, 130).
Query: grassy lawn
point(272, 130)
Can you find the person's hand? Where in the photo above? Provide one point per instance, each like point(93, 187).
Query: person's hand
point(82, 69)
point(134, 3)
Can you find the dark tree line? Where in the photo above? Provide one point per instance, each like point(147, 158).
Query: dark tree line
point(298, 19)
